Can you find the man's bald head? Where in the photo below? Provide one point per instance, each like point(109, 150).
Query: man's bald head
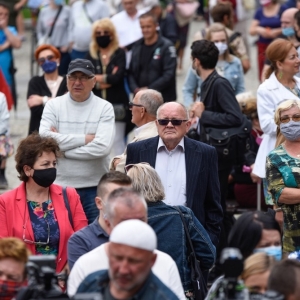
point(287, 17)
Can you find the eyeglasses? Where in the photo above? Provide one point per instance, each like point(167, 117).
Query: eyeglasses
point(174, 122)
point(131, 104)
point(83, 78)
point(41, 60)
point(36, 243)
point(100, 33)
point(129, 166)
point(286, 119)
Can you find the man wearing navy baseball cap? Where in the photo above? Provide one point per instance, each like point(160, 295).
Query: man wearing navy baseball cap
point(83, 125)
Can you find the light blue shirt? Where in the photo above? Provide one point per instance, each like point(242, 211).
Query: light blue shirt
point(170, 166)
point(232, 71)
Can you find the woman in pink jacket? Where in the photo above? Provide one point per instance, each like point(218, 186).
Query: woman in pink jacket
point(36, 211)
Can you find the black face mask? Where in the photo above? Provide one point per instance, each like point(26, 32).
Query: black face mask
point(44, 177)
point(103, 41)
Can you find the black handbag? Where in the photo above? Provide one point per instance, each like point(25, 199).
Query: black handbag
point(197, 279)
point(231, 143)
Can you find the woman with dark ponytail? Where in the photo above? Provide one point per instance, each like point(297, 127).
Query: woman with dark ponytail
point(280, 84)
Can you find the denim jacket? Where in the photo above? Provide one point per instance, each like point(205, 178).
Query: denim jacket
point(171, 238)
point(152, 289)
point(233, 72)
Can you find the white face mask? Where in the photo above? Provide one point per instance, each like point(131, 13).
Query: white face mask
point(222, 47)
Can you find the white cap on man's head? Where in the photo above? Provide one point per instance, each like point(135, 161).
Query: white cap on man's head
point(134, 233)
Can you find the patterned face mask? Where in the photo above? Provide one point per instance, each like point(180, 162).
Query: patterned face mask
point(290, 130)
point(9, 289)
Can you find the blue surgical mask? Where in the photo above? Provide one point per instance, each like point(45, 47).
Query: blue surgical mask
point(49, 66)
point(289, 31)
point(290, 130)
point(271, 251)
point(59, 2)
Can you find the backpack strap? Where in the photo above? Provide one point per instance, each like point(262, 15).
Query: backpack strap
point(66, 200)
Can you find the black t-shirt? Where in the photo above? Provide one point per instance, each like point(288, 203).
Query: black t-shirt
point(145, 58)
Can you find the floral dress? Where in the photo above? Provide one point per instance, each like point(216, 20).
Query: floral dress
point(44, 224)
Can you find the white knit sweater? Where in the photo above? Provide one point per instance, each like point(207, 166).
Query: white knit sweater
point(83, 165)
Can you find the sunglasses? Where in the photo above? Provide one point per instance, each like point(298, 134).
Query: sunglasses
point(165, 122)
point(36, 243)
point(131, 104)
point(129, 166)
point(41, 60)
point(286, 119)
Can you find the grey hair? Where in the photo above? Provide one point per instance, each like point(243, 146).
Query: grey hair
point(151, 100)
point(146, 181)
point(127, 196)
point(182, 106)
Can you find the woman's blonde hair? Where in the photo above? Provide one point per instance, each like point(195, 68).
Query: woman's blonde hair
point(287, 104)
point(146, 181)
point(256, 264)
point(104, 24)
point(217, 27)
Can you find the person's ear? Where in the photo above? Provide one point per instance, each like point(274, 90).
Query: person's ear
point(153, 259)
point(98, 202)
point(109, 227)
point(188, 125)
point(27, 170)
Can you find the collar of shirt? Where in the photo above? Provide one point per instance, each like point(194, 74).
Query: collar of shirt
point(97, 229)
point(138, 130)
point(179, 147)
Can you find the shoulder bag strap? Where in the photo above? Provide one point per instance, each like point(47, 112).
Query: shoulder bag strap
point(54, 22)
point(66, 200)
point(86, 13)
point(211, 81)
point(190, 244)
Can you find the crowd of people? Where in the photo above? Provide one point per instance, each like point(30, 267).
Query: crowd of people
point(148, 218)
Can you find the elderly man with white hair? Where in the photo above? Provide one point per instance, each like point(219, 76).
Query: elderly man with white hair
point(130, 262)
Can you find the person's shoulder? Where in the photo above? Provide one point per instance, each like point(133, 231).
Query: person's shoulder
point(142, 143)
point(10, 195)
point(92, 282)
point(235, 60)
point(198, 145)
point(118, 16)
point(278, 151)
point(84, 234)
point(162, 292)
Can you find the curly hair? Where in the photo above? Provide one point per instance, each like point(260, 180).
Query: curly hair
point(30, 149)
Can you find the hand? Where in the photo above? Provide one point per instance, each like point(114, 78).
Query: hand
point(116, 162)
point(255, 178)
point(64, 49)
point(89, 138)
point(197, 109)
point(18, 6)
point(53, 129)
point(3, 23)
point(34, 100)
point(99, 78)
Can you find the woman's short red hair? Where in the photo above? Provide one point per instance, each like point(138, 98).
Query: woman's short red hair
point(41, 48)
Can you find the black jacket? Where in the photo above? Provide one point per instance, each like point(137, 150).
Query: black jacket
point(162, 68)
point(168, 27)
point(37, 86)
point(116, 94)
point(221, 107)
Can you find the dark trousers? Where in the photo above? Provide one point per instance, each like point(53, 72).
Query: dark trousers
point(64, 63)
